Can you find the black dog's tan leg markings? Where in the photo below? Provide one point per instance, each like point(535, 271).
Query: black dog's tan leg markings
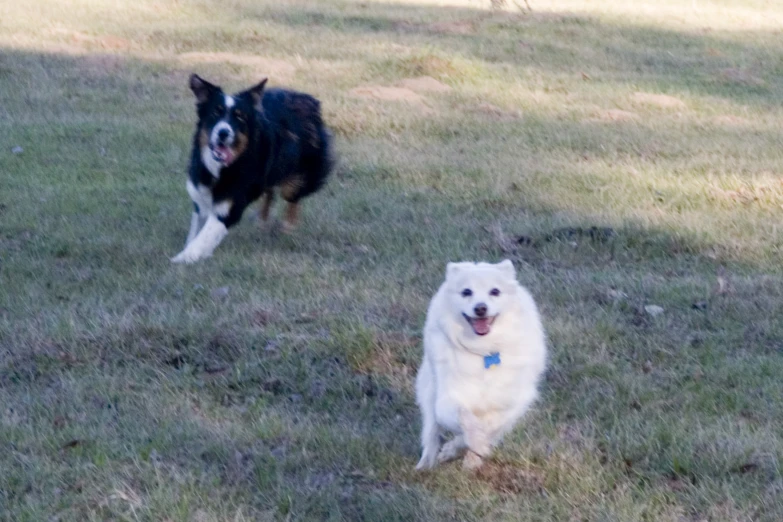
point(269, 197)
point(291, 216)
point(290, 189)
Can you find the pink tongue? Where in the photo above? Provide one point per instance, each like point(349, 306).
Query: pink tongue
point(481, 326)
point(223, 153)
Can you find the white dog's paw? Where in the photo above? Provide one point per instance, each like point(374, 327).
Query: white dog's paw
point(427, 460)
point(474, 433)
point(185, 257)
point(451, 450)
point(204, 243)
point(472, 461)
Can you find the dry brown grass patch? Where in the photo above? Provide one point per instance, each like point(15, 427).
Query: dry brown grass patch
point(617, 115)
point(662, 101)
point(429, 65)
point(462, 27)
point(83, 40)
point(424, 84)
point(391, 356)
point(494, 112)
point(260, 65)
point(510, 479)
point(380, 92)
point(729, 120)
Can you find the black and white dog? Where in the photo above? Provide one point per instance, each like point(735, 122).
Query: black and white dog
point(247, 145)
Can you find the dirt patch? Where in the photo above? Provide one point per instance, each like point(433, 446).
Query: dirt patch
point(264, 317)
point(109, 41)
point(745, 195)
point(263, 66)
point(664, 101)
point(428, 65)
point(114, 42)
point(617, 115)
point(456, 27)
point(509, 479)
point(572, 434)
point(495, 112)
point(394, 94)
point(424, 84)
point(349, 123)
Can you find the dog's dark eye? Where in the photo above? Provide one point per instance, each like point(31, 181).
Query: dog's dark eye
point(239, 116)
point(218, 111)
point(467, 292)
point(494, 292)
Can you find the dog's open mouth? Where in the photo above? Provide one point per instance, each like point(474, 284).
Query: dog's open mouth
point(480, 325)
point(222, 153)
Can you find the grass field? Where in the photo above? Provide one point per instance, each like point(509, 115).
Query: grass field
point(273, 381)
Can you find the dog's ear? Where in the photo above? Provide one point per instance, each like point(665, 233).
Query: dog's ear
point(256, 93)
point(201, 88)
point(452, 269)
point(507, 267)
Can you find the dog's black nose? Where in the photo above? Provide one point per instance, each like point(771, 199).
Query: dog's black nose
point(480, 310)
point(222, 135)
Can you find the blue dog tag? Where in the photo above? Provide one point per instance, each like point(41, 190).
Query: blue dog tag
point(489, 360)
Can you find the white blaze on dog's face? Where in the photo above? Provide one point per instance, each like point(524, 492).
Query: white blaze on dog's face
point(479, 292)
point(222, 137)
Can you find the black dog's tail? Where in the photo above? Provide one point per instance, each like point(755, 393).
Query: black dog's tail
point(318, 158)
point(328, 160)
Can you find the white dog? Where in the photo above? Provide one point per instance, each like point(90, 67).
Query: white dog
point(484, 353)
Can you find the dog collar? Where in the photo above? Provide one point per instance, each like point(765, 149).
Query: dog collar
point(491, 359)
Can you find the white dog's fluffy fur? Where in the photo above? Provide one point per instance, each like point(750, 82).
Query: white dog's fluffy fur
point(479, 310)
